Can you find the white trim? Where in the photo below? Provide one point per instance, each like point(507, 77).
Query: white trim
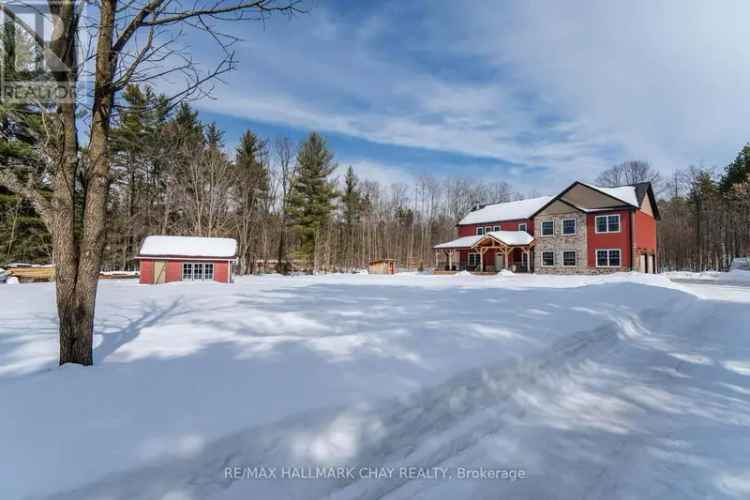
point(541, 228)
point(575, 258)
point(596, 257)
point(596, 224)
point(541, 254)
point(575, 226)
point(525, 226)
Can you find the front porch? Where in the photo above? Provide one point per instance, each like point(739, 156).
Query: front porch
point(486, 254)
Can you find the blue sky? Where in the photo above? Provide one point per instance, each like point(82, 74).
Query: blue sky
point(534, 93)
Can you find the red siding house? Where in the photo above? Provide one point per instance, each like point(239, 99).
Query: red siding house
point(584, 229)
point(164, 259)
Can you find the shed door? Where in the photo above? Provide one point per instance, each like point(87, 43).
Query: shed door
point(160, 271)
point(642, 263)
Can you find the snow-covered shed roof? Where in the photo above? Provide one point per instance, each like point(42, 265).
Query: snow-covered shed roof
point(512, 210)
point(188, 246)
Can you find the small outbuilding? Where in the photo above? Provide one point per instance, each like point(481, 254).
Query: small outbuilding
point(164, 259)
point(382, 266)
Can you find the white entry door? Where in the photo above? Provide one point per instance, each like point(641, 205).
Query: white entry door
point(499, 262)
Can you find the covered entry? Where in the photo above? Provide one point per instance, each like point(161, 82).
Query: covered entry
point(489, 253)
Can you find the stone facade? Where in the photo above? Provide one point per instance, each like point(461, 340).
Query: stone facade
point(559, 243)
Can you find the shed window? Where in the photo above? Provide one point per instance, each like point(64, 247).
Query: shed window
point(197, 271)
point(608, 258)
point(608, 223)
point(569, 258)
point(548, 228)
point(569, 226)
point(548, 259)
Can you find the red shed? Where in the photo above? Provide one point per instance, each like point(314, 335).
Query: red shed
point(164, 259)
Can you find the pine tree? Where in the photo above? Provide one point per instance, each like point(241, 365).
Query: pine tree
point(253, 188)
point(352, 205)
point(312, 194)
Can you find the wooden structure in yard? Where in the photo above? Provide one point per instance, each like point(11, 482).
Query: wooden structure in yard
point(382, 266)
point(33, 274)
point(164, 259)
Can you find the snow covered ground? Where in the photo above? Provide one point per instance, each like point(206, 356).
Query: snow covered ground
point(627, 386)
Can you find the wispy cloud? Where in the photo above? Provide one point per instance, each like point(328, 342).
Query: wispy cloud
point(571, 88)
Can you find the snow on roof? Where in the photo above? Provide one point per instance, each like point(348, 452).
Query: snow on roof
point(622, 193)
point(512, 237)
point(188, 246)
point(508, 237)
point(512, 210)
point(464, 242)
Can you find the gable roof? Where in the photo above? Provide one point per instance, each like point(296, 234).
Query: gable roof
point(509, 238)
point(630, 196)
point(188, 246)
point(512, 210)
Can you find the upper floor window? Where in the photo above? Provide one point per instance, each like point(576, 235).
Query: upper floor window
point(480, 231)
point(548, 228)
point(522, 227)
point(569, 226)
point(608, 223)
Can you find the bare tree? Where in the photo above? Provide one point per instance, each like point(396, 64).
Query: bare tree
point(133, 42)
point(283, 149)
point(630, 172)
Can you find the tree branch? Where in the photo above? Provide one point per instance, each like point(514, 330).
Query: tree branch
point(40, 203)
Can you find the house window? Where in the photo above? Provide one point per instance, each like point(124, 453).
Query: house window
point(548, 228)
point(569, 226)
point(608, 258)
point(208, 271)
point(487, 229)
point(548, 259)
point(496, 228)
point(480, 231)
point(522, 227)
point(187, 271)
point(473, 259)
point(569, 258)
point(608, 223)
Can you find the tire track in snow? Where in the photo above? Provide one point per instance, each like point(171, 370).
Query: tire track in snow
point(425, 429)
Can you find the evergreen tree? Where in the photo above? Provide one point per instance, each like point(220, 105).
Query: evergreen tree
point(352, 205)
point(253, 188)
point(736, 172)
point(312, 194)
